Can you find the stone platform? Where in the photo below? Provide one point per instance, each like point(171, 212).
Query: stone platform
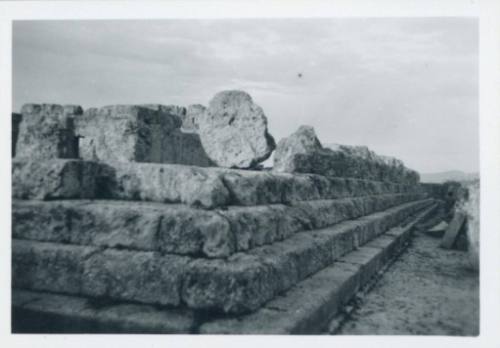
point(303, 309)
point(145, 247)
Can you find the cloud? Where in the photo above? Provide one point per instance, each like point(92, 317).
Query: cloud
point(403, 86)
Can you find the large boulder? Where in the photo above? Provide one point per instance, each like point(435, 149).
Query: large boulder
point(47, 131)
point(302, 152)
point(139, 133)
point(233, 131)
point(303, 141)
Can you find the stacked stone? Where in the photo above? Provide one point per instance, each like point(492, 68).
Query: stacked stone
point(148, 133)
point(178, 241)
point(194, 238)
point(302, 152)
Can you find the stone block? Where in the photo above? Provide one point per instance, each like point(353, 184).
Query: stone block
point(48, 131)
point(55, 179)
point(48, 267)
point(137, 226)
point(146, 277)
point(138, 133)
point(166, 183)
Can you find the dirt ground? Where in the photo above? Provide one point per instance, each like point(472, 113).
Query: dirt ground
point(426, 291)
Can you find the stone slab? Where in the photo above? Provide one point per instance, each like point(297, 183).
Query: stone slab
point(204, 187)
point(55, 179)
point(452, 232)
point(166, 183)
point(48, 266)
point(41, 312)
point(183, 230)
point(146, 277)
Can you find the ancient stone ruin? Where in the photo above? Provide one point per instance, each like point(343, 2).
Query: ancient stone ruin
point(141, 219)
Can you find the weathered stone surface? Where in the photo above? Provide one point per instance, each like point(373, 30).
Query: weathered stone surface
point(133, 275)
point(39, 312)
point(124, 133)
point(48, 131)
point(192, 117)
point(55, 179)
point(196, 186)
point(234, 132)
point(81, 270)
point(302, 152)
point(238, 284)
point(303, 141)
point(47, 266)
point(304, 309)
point(16, 120)
point(179, 229)
point(141, 226)
point(129, 133)
point(166, 183)
point(243, 282)
point(308, 307)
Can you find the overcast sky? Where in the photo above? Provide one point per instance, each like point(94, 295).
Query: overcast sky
point(404, 87)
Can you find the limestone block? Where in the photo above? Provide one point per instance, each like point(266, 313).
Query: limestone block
point(47, 266)
point(48, 131)
point(55, 179)
point(166, 183)
point(124, 133)
point(146, 277)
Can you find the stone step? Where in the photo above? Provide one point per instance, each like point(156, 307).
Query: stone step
point(42, 312)
point(304, 309)
point(310, 305)
point(171, 183)
point(183, 230)
point(241, 283)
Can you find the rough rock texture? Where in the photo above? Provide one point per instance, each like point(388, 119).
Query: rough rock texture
point(173, 229)
point(166, 183)
point(16, 120)
point(240, 283)
point(302, 152)
point(207, 188)
point(55, 179)
point(182, 230)
point(48, 131)
point(128, 133)
point(233, 131)
point(192, 117)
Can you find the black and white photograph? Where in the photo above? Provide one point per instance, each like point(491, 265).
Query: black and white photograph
point(246, 176)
